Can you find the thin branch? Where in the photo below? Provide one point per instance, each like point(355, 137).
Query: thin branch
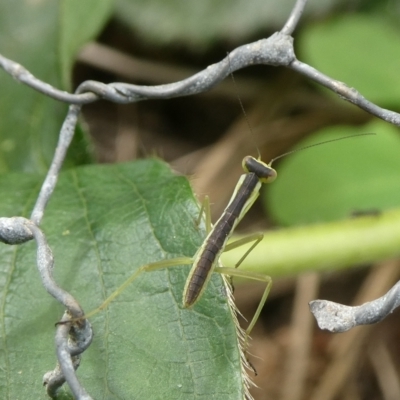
point(294, 17)
point(48, 186)
point(345, 92)
point(21, 74)
point(14, 230)
point(45, 264)
point(277, 50)
point(71, 339)
point(67, 363)
point(18, 230)
point(337, 317)
point(344, 350)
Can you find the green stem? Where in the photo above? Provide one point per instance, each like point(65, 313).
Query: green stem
point(328, 246)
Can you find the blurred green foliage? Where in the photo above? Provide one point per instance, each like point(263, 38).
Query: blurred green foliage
point(199, 24)
point(43, 36)
point(335, 180)
point(332, 182)
point(362, 50)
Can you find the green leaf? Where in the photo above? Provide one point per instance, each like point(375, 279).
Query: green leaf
point(337, 179)
point(361, 50)
point(39, 36)
point(102, 223)
point(80, 21)
point(200, 23)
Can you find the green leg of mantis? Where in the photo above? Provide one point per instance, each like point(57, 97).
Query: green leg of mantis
point(254, 276)
point(256, 238)
point(173, 262)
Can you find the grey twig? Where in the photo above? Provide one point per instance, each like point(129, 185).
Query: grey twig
point(49, 184)
point(294, 17)
point(67, 363)
point(346, 92)
point(45, 264)
point(337, 317)
point(277, 50)
point(14, 230)
point(72, 338)
point(53, 380)
point(21, 74)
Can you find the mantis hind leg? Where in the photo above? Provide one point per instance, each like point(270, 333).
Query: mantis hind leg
point(254, 276)
point(144, 268)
